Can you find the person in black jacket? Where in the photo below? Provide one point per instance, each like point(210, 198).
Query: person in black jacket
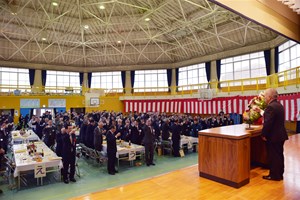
point(165, 130)
point(135, 132)
point(39, 126)
point(176, 132)
point(69, 155)
point(274, 133)
point(49, 134)
point(82, 131)
point(2, 152)
point(111, 149)
point(148, 141)
point(196, 127)
point(89, 135)
point(98, 136)
point(59, 142)
point(186, 128)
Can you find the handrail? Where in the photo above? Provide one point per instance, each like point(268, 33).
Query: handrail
point(280, 79)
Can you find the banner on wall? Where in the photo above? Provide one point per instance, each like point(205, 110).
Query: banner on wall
point(29, 103)
point(56, 103)
point(235, 104)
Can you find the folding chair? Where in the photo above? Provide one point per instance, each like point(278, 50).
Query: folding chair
point(166, 145)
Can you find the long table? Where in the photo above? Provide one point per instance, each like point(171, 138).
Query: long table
point(24, 162)
point(123, 150)
point(225, 153)
point(29, 136)
point(188, 140)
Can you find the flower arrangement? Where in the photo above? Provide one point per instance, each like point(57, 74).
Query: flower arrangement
point(252, 114)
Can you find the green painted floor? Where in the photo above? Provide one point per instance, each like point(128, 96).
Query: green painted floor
point(95, 178)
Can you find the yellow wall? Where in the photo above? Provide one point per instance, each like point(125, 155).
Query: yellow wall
point(109, 104)
point(106, 103)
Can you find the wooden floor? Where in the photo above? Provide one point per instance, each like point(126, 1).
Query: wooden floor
point(186, 184)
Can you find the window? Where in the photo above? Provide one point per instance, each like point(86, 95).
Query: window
point(190, 77)
point(14, 78)
point(151, 81)
point(107, 80)
point(243, 67)
point(56, 81)
point(289, 58)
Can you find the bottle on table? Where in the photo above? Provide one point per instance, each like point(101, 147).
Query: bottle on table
point(129, 142)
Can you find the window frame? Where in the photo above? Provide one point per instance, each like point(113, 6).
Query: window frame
point(61, 80)
point(158, 81)
point(189, 77)
point(235, 77)
point(101, 80)
point(19, 76)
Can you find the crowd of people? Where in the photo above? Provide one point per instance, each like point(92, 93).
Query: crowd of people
point(58, 132)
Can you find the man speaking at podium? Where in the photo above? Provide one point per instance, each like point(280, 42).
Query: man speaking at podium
point(274, 133)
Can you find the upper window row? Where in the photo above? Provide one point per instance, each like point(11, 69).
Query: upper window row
point(234, 68)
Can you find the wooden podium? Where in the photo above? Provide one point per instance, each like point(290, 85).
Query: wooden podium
point(225, 153)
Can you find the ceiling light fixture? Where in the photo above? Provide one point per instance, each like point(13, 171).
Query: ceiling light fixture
point(102, 7)
point(54, 3)
point(44, 39)
point(86, 27)
point(147, 19)
point(119, 41)
point(13, 9)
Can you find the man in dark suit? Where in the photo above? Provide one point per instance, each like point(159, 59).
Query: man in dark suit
point(196, 127)
point(148, 141)
point(49, 134)
point(82, 131)
point(89, 135)
point(274, 133)
point(165, 130)
point(135, 132)
point(98, 139)
point(59, 142)
point(39, 126)
point(111, 149)
point(69, 154)
point(2, 152)
point(176, 132)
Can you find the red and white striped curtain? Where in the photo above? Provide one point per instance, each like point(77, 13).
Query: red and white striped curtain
point(236, 104)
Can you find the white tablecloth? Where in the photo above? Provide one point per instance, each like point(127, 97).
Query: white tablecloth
point(29, 135)
point(24, 162)
point(188, 140)
point(122, 149)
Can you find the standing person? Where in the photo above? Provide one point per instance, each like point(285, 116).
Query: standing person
point(98, 136)
point(69, 154)
point(196, 127)
point(298, 123)
point(2, 152)
point(4, 134)
point(89, 135)
point(135, 132)
point(148, 141)
point(165, 130)
point(49, 134)
point(176, 132)
point(111, 149)
point(59, 142)
point(274, 133)
point(82, 131)
point(39, 126)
